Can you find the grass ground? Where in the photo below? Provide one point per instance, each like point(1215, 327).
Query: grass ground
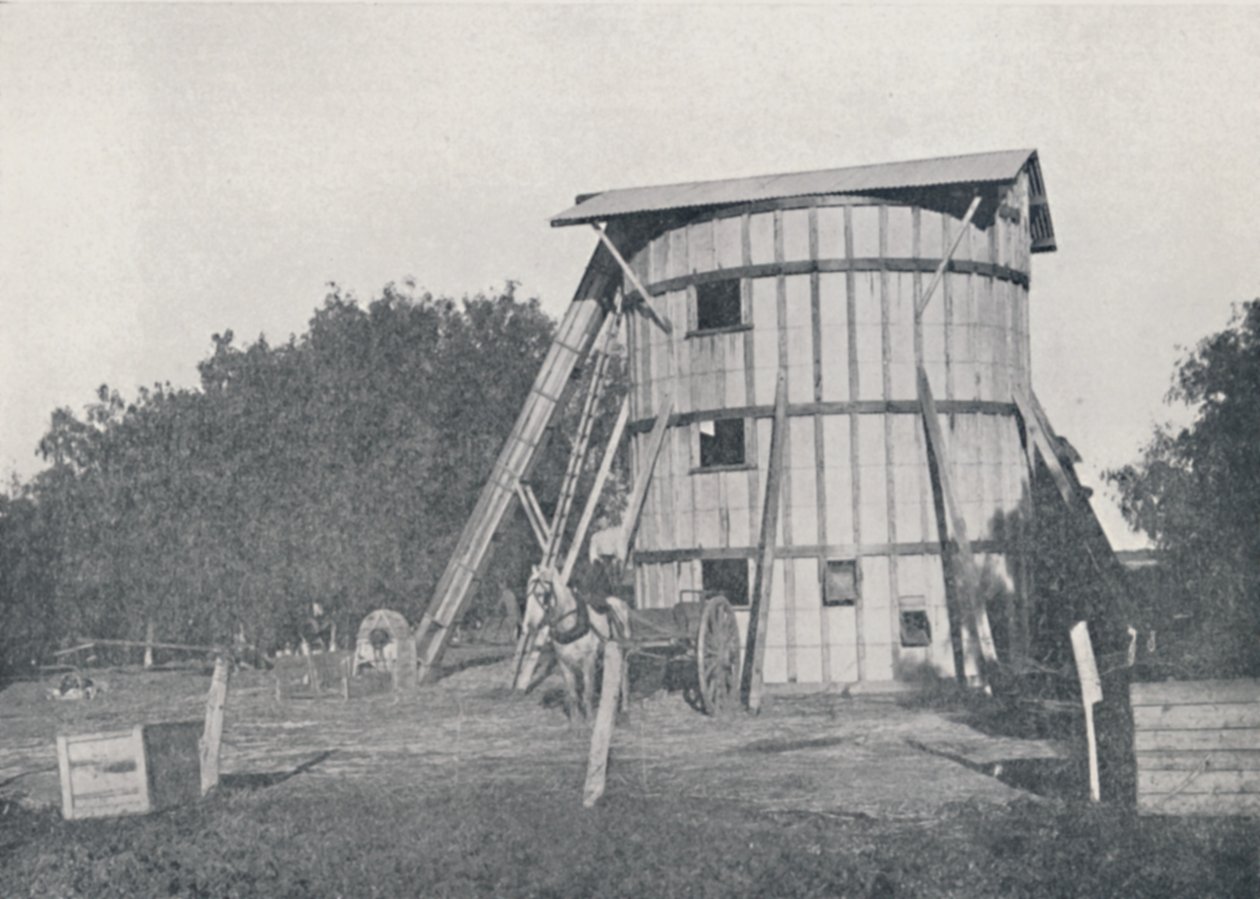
point(462, 790)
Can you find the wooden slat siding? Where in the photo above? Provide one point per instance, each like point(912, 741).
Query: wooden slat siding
point(820, 450)
point(1200, 804)
point(1198, 716)
point(1213, 760)
point(890, 477)
point(855, 479)
point(1190, 692)
point(1197, 746)
point(750, 386)
point(1198, 741)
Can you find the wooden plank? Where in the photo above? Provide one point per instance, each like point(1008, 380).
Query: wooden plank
point(533, 514)
point(1222, 760)
point(1197, 717)
point(605, 718)
point(1199, 804)
point(752, 677)
point(855, 478)
point(1203, 691)
point(923, 301)
point(212, 737)
point(103, 774)
point(1245, 739)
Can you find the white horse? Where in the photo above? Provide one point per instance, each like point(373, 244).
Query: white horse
point(577, 633)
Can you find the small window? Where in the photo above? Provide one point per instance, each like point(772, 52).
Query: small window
point(916, 630)
point(718, 305)
point(721, 442)
point(726, 576)
point(841, 585)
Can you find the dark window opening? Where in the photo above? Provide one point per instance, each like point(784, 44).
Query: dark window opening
point(840, 587)
point(726, 576)
point(916, 630)
point(721, 442)
point(718, 305)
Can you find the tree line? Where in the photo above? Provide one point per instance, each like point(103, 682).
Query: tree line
point(338, 467)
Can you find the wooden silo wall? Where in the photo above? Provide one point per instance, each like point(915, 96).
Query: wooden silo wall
point(828, 288)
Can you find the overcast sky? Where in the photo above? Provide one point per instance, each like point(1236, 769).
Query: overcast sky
point(167, 172)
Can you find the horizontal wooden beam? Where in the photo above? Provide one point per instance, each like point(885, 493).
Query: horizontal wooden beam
point(837, 407)
point(816, 550)
point(810, 266)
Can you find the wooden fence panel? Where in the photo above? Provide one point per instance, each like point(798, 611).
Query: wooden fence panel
point(1197, 745)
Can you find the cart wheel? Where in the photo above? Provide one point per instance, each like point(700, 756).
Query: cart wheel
point(717, 656)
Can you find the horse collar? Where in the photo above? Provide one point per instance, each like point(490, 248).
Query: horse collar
point(579, 630)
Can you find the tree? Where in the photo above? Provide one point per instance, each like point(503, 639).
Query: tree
point(1196, 492)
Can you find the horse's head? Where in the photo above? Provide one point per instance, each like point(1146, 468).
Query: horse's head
point(542, 586)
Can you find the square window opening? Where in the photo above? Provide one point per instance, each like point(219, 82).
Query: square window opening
point(722, 443)
point(718, 305)
point(840, 587)
point(726, 576)
point(916, 630)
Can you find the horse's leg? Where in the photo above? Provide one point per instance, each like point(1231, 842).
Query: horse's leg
point(570, 690)
point(588, 673)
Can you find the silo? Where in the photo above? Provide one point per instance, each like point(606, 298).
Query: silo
point(818, 274)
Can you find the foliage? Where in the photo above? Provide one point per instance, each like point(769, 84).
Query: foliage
point(1196, 492)
point(338, 467)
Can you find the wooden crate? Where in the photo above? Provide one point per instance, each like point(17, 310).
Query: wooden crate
point(1197, 745)
point(129, 772)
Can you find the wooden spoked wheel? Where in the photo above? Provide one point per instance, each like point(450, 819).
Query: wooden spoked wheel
point(717, 656)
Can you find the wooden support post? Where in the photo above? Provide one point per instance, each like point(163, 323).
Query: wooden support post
point(751, 679)
point(1091, 693)
point(643, 477)
point(592, 501)
point(605, 718)
point(212, 736)
point(645, 306)
point(977, 618)
point(150, 634)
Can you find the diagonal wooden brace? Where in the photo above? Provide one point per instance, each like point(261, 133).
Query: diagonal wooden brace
point(645, 305)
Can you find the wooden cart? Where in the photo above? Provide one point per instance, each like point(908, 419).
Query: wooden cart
point(702, 631)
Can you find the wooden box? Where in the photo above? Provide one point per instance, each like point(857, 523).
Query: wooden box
point(130, 772)
point(1197, 745)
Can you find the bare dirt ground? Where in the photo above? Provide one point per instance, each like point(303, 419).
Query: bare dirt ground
point(828, 754)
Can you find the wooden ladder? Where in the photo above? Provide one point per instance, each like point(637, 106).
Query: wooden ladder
point(574, 337)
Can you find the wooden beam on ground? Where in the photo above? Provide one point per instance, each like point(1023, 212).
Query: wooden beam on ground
point(141, 644)
point(752, 677)
point(643, 477)
point(977, 618)
point(645, 306)
point(597, 489)
point(212, 735)
point(923, 301)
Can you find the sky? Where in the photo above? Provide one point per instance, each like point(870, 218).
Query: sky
point(169, 172)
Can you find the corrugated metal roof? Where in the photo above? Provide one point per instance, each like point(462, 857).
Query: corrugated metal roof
point(976, 168)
